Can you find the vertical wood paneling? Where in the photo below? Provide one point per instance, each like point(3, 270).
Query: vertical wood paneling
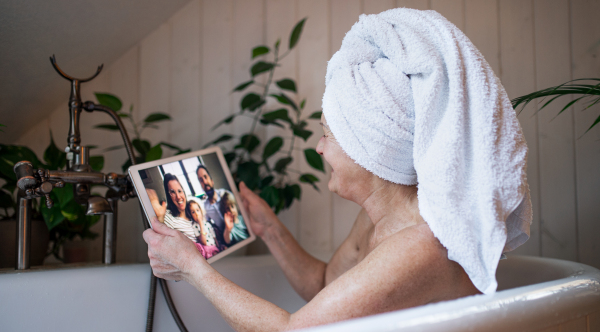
point(377, 6)
point(188, 66)
point(414, 4)
point(217, 34)
point(248, 32)
point(518, 78)
point(453, 10)
point(155, 77)
point(482, 28)
point(185, 76)
point(585, 36)
point(343, 15)
point(280, 20)
point(313, 52)
point(557, 198)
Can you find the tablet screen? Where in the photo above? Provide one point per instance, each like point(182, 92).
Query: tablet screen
point(194, 195)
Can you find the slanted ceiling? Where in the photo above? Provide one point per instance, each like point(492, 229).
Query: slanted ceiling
point(81, 33)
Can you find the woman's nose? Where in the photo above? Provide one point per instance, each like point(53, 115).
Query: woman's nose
point(320, 145)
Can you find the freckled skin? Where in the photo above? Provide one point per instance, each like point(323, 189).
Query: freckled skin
point(390, 260)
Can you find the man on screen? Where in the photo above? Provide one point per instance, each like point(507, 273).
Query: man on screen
point(211, 205)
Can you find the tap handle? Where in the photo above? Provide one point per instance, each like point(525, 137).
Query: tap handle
point(71, 78)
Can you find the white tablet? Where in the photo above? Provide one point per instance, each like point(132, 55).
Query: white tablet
point(195, 194)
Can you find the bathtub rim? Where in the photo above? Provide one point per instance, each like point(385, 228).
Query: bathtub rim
point(525, 308)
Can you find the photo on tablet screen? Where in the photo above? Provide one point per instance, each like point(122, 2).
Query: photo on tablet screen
point(193, 196)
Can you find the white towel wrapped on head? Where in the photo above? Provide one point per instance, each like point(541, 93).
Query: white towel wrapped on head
point(410, 99)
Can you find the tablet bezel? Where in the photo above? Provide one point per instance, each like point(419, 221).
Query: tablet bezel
point(140, 189)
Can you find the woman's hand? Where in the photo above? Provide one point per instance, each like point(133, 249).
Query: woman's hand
point(172, 255)
point(159, 209)
point(260, 213)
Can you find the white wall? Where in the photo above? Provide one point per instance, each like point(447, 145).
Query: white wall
point(188, 66)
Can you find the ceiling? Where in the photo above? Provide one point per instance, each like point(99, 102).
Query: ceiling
point(81, 33)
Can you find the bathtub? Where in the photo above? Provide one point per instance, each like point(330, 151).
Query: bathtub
point(534, 294)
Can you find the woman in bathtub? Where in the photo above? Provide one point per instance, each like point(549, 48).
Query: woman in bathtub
point(235, 228)
point(205, 234)
point(420, 133)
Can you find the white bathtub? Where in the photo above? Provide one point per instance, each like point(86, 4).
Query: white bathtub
point(535, 294)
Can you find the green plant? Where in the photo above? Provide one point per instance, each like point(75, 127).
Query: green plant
point(246, 160)
point(591, 92)
point(66, 219)
point(146, 152)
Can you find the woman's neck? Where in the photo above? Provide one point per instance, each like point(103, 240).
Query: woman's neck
point(390, 202)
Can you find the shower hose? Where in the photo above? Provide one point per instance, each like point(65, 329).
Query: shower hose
point(90, 107)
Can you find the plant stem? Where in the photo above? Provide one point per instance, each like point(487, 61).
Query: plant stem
point(264, 97)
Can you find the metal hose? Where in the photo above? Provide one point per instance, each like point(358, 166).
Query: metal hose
point(90, 107)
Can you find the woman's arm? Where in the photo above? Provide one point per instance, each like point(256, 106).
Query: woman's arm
point(305, 273)
point(406, 270)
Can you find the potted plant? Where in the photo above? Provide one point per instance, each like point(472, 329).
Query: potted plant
point(266, 169)
point(65, 221)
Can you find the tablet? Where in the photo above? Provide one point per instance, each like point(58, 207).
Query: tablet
point(195, 194)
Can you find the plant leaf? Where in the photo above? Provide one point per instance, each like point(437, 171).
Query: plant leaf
point(290, 193)
point(282, 164)
point(271, 195)
point(295, 35)
point(97, 163)
point(248, 143)
point(156, 117)
point(243, 86)
point(310, 179)
point(222, 138)
point(282, 98)
point(248, 172)
point(277, 43)
point(224, 121)
point(259, 50)
point(229, 157)
point(300, 132)
point(593, 124)
point(272, 147)
point(155, 153)
point(280, 114)
point(172, 147)
point(251, 101)
point(142, 146)
point(261, 67)
point(109, 100)
point(266, 181)
point(286, 84)
point(54, 157)
point(316, 115)
point(313, 158)
point(107, 126)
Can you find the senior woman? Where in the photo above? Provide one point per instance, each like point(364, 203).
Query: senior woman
point(419, 132)
point(172, 212)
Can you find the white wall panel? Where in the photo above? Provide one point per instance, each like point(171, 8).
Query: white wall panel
point(185, 77)
point(155, 80)
point(188, 66)
point(281, 18)
point(518, 76)
point(557, 156)
point(585, 34)
point(313, 51)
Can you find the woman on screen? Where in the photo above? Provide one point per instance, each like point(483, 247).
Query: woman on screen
point(234, 222)
point(205, 234)
point(172, 212)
